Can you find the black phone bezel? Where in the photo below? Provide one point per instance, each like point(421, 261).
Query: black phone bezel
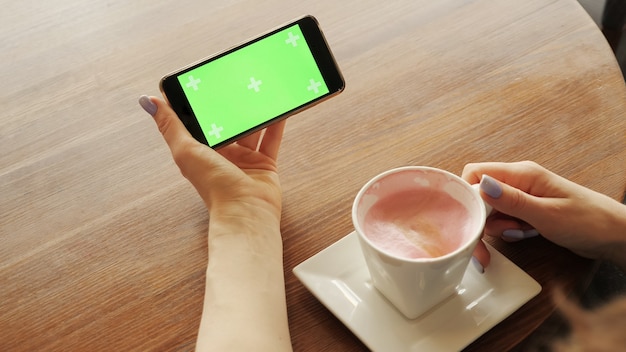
point(173, 92)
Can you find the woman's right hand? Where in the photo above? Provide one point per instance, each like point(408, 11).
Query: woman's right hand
point(526, 196)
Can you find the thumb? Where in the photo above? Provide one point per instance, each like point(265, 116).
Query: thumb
point(191, 156)
point(510, 200)
point(170, 126)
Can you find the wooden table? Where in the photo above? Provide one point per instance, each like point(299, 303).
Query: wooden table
point(103, 243)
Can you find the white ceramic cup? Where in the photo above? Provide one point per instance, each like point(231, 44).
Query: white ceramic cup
point(414, 286)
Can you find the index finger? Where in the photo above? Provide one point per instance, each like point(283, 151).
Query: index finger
point(270, 145)
point(473, 172)
point(524, 175)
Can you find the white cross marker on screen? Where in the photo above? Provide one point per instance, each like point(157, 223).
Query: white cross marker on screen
point(314, 86)
point(254, 84)
point(216, 131)
point(292, 39)
point(193, 83)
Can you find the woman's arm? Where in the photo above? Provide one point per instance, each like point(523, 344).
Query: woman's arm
point(527, 196)
point(244, 304)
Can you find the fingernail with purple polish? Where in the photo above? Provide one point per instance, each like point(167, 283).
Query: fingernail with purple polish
point(479, 267)
point(490, 186)
point(147, 105)
point(515, 234)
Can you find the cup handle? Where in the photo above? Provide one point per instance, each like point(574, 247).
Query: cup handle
point(488, 208)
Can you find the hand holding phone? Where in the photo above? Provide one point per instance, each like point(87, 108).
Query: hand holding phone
point(242, 90)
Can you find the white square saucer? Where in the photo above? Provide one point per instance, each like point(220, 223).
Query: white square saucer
point(339, 278)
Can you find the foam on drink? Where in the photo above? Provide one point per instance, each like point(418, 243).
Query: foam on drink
point(420, 223)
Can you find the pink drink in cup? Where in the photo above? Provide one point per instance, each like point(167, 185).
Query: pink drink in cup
point(417, 223)
point(417, 227)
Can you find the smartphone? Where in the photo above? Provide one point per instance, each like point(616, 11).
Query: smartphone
point(244, 89)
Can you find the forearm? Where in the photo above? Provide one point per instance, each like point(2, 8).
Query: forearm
point(244, 306)
point(616, 249)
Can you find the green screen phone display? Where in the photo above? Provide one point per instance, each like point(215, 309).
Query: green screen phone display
point(252, 85)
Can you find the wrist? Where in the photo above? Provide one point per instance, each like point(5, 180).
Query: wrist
point(241, 211)
point(252, 219)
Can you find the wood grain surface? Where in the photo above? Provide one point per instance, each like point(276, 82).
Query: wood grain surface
point(103, 243)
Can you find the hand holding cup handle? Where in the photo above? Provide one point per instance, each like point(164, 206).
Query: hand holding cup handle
point(488, 208)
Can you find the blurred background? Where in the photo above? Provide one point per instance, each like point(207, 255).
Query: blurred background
point(609, 15)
